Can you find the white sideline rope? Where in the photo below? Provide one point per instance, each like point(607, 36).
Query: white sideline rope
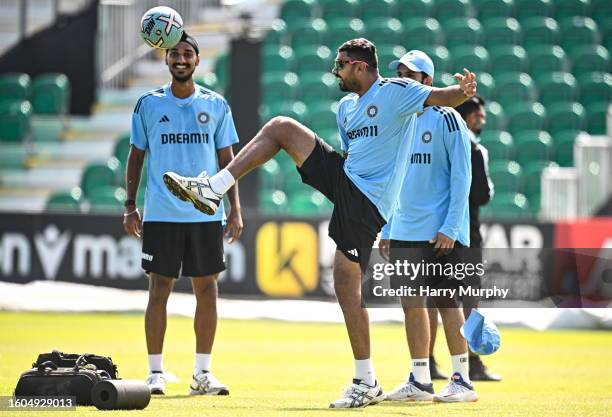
point(53, 296)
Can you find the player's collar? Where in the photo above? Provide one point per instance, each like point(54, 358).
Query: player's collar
point(182, 102)
point(373, 87)
point(423, 112)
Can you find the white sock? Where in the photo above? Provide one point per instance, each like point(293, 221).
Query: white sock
point(222, 181)
point(365, 371)
point(420, 370)
point(202, 362)
point(461, 365)
point(156, 363)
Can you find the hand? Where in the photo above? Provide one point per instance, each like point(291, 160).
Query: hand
point(383, 248)
point(233, 228)
point(132, 223)
point(443, 244)
point(467, 82)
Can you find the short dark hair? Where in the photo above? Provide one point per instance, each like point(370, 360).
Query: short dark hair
point(469, 106)
point(362, 50)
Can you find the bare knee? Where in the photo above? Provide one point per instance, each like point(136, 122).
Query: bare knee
point(279, 127)
point(452, 314)
point(411, 305)
point(342, 285)
point(347, 282)
point(159, 289)
point(205, 288)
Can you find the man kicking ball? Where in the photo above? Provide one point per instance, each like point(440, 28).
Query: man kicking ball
point(375, 121)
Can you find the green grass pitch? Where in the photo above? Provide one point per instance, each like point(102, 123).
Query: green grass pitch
point(294, 369)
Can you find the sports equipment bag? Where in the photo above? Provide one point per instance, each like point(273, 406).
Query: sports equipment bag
point(69, 360)
point(49, 380)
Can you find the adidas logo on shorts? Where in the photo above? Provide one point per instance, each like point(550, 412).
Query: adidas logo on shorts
point(147, 257)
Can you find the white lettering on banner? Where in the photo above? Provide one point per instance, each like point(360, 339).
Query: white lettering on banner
point(15, 246)
point(51, 248)
point(235, 261)
point(96, 248)
point(521, 236)
point(494, 236)
point(93, 255)
point(128, 258)
point(526, 236)
point(515, 257)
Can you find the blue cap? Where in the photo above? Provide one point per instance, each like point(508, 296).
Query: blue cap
point(481, 334)
point(415, 60)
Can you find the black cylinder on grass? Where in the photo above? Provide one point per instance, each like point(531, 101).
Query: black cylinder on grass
point(120, 395)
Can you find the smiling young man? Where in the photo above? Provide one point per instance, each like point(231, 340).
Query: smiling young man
point(185, 127)
point(363, 183)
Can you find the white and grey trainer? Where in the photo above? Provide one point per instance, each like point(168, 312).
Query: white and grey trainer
point(456, 391)
point(157, 383)
point(358, 395)
point(411, 390)
point(194, 189)
point(205, 383)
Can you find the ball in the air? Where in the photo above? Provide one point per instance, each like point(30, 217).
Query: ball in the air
point(161, 27)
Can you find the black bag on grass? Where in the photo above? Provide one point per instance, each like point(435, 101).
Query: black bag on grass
point(49, 380)
point(92, 379)
point(69, 360)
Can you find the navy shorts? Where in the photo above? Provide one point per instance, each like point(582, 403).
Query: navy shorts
point(355, 220)
point(188, 249)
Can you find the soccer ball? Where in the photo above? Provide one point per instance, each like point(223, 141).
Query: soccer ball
point(161, 27)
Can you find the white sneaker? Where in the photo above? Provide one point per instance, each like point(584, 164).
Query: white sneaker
point(412, 390)
point(194, 189)
point(456, 391)
point(157, 383)
point(205, 383)
point(359, 394)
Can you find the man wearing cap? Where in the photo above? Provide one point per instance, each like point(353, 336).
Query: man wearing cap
point(429, 224)
point(481, 192)
point(181, 126)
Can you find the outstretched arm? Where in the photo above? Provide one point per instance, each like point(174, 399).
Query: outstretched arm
point(454, 95)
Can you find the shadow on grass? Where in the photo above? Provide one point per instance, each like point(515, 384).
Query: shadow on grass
point(381, 409)
point(161, 397)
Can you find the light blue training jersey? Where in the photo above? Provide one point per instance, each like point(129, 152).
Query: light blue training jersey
point(180, 135)
point(374, 131)
point(435, 192)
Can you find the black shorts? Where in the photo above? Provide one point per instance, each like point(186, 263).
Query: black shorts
point(189, 249)
point(355, 220)
point(435, 270)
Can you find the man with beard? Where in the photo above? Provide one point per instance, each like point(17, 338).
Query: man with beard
point(374, 121)
point(181, 126)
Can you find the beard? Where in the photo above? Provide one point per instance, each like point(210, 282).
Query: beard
point(345, 86)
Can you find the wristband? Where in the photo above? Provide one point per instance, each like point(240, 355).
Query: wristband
point(130, 213)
